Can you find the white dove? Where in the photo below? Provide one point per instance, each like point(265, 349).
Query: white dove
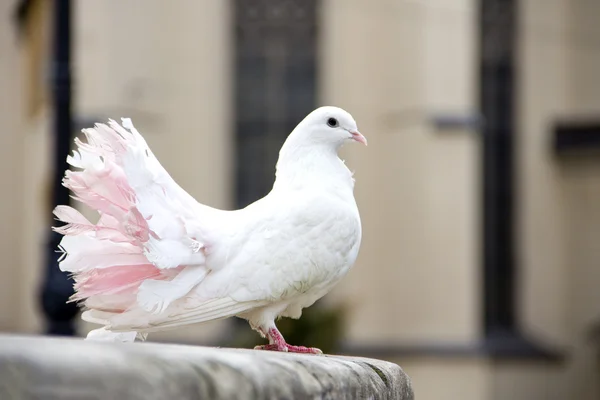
point(157, 259)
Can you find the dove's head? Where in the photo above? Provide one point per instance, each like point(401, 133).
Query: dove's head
point(328, 126)
point(313, 145)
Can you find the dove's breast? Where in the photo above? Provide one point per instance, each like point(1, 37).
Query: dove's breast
point(298, 245)
point(324, 241)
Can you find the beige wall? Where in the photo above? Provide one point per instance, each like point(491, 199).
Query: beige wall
point(435, 378)
point(11, 179)
point(581, 185)
point(559, 197)
point(415, 230)
point(417, 274)
point(542, 98)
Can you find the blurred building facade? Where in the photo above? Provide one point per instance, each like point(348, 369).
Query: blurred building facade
point(214, 82)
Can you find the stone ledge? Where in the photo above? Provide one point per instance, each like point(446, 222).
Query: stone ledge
point(55, 368)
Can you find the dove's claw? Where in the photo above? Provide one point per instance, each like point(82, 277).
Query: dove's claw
point(302, 349)
point(272, 347)
point(288, 348)
point(278, 344)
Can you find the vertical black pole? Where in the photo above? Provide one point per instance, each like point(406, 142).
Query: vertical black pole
point(497, 77)
point(57, 287)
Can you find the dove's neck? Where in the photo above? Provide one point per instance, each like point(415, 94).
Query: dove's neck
point(312, 166)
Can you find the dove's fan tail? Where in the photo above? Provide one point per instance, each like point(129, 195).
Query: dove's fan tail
point(132, 256)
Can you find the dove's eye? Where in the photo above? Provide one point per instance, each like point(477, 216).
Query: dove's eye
point(332, 122)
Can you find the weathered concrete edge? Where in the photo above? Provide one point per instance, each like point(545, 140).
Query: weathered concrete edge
point(31, 366)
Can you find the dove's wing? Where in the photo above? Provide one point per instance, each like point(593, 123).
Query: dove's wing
point(152, 235)
point(190, 311)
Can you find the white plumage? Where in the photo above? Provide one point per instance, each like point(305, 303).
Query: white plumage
point(157, 259)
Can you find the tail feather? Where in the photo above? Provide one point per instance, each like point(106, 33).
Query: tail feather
point(104, 335)
point(77, 224)
point(86, 251)
point(115, 279)
point(142, 234)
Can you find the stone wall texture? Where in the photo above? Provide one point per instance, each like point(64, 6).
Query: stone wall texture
point(33, 367)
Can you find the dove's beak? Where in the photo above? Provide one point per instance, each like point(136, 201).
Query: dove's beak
point(356, 135)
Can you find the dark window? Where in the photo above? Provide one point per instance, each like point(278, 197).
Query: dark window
point(275, 85)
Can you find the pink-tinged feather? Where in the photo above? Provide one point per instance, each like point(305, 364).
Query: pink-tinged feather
point(98, 200)
point(108, 184)
point(111, 229)
point(136, 226)
point(70, 215)
point(117, 176)
point(118, 279)
point(77, 224)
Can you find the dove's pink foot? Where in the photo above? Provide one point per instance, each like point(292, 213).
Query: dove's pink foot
point(278, 344)
point(290, 348)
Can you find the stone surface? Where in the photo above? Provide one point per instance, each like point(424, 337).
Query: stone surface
point(53, 368)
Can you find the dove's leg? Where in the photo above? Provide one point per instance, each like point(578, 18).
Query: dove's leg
point(277, 343)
